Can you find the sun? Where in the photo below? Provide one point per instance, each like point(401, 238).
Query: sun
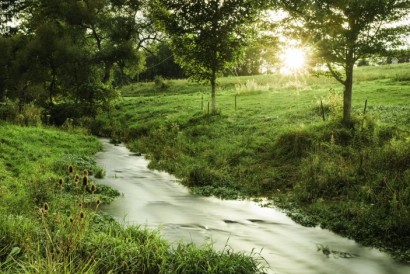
point(293, 59)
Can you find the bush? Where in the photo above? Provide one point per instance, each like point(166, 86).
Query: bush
point(60, 113)
point(159, 83)
point(8, 111)
point(200, 176)
point(293, 144)
point(30, 115)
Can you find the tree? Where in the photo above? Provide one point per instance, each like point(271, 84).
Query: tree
point(344, 31)
point(9, 12)
point(119, 31)
point(262, 51)
point(65, 51)
point(206, 35)
point(161, 62)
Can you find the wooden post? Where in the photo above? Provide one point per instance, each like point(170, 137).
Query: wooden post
point(365, 107)
point(322, 109)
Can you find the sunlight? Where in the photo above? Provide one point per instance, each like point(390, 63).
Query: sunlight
point(293, 59)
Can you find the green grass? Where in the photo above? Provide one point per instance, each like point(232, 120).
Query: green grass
point(275, 144)
point(50, 223)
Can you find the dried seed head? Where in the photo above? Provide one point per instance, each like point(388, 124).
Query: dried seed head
point(98, 202)
point(71, 220)
point(85, 180)
point(60, 182)
point(76, 178)
point(70, 169)
point(85, 172)
point(82, 215)
point(45, 207)
point(80, 205)
point(93, 188)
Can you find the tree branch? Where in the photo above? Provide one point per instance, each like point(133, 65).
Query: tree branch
point(335, 74)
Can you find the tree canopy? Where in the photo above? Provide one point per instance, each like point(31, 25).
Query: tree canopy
point(79, 51)
point(72, 51)
point(207, 36)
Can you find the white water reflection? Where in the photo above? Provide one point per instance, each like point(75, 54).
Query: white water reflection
point(155, 199)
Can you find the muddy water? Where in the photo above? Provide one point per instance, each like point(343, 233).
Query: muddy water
point(155, 199)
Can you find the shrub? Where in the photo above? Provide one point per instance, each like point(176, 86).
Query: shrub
point(159, 83)
point(30, 115)
point(9, 111)
point(200, 176)
point(59, 113)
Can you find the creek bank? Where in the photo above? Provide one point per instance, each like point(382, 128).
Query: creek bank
point(155, 199)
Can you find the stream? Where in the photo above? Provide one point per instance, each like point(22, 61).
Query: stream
point(155, 199)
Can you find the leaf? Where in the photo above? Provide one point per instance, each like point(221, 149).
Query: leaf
point(14, 251)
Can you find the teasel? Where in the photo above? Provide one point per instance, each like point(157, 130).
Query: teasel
point(98, 203)
point(70, 169)
point(44, 209)
point(82, 215)
point(85, 172)
point(93, 188)
point(60, 182)
point(76, 178)
point(85, 180)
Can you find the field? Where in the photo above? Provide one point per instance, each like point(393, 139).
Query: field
point(50, 222)
point(271, 138)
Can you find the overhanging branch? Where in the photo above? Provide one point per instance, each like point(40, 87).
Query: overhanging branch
point(335, 74)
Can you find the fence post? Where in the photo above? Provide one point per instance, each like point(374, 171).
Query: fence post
point(365, 107)
point(322, 109)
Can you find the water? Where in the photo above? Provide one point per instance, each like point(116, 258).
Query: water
point(155, 199)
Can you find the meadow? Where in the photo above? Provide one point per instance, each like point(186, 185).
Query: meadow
point(50, 220)
point(279, 137)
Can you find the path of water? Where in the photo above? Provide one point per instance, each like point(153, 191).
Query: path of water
point(156, 199)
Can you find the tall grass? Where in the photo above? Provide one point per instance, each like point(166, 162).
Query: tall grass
point(273, 142)
point(50, 222)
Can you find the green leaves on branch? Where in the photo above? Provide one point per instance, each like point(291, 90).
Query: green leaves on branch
point(343, 31)
point(207, 36)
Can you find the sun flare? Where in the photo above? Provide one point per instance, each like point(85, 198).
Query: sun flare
point(293, 59)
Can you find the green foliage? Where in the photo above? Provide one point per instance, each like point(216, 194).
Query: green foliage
point(275, 144)
point(160, 83)
point(332, 103)
point(50, 219)
point(342, 32)
point(161, 63)
point(66, 53)
point(207, 37)
point(190, 259)
point(14, 112)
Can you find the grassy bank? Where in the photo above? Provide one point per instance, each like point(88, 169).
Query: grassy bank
point(269, 139)
point(49, 219)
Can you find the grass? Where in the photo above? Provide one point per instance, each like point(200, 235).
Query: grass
point(50, 223)
point(274, 143)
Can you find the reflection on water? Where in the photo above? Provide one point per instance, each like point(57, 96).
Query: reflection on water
point(155, 199)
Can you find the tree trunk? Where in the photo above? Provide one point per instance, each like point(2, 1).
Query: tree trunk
point(347, 95)
point(107, 72)
point(213, 86)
